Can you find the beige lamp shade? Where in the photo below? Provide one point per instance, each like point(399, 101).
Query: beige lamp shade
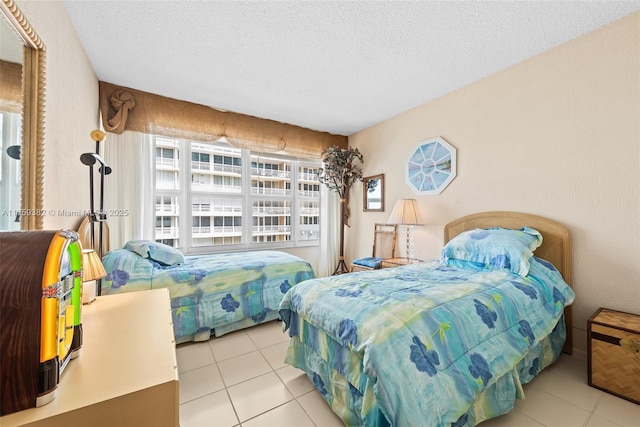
point(92, 268)
point(405, 212)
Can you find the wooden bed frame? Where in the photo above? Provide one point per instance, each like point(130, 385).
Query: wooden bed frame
point(555, 248)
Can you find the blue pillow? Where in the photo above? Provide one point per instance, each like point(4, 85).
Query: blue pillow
point(370, 262)
point(159, 252)
point(495, 247)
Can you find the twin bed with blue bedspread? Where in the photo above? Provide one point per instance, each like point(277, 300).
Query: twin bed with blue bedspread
point(215, 293)
point(442, 343)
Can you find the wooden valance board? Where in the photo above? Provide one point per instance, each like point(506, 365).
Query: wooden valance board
point(130, 109)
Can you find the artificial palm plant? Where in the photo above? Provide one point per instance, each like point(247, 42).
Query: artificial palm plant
point(341, 169)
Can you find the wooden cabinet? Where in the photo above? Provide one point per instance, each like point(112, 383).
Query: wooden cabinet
point(397, 262)
point(614, 353)
point(126, 374)
point(40, 314)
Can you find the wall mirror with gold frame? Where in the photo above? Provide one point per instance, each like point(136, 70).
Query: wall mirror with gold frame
point(23, 130)
point(373, 193)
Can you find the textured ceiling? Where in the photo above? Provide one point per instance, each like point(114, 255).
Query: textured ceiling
point(332, 66)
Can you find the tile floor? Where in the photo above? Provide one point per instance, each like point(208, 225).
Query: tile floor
point(240, 379)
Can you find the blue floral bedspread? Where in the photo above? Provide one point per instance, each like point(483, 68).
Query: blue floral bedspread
point(426, 339)
point(222, 292)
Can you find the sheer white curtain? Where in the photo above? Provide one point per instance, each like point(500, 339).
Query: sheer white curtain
point(129, 189)
point(329, 232)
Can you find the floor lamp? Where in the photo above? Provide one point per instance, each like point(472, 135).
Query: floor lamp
point(406, 213)
point(99, 216)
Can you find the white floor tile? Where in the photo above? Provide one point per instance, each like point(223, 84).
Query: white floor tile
point(551, 411)
point(321, 414)
point(244, 367)
point(258, 395)
point(275, 354)
point(193, 355)
point(267, 334)
point(290, 414)
point(511, 419)
point(566, 387)
point(574, 365)
point(618, 410)
point(213, 410)
point(199, 382)
point(597, 421)
point(296, 380)
point(231, 345)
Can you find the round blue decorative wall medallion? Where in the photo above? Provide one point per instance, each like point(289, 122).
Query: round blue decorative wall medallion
point(431, 167)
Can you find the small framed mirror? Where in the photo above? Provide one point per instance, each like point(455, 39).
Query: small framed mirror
point(373, 193)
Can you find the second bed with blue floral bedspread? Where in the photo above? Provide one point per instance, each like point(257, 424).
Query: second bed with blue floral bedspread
point(431, 344)
point(215, 293)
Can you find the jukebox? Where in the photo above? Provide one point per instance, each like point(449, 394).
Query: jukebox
point(40, 314)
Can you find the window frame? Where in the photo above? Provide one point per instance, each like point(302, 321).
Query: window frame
point(186, 195)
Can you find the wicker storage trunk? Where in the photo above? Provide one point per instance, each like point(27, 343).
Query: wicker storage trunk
point(614, 353)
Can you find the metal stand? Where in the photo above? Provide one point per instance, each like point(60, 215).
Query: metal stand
point(99, 216)
point(341, 268)
point(409, 253)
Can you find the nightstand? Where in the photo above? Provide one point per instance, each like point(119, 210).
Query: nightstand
point(613, 353)
point(397, 262)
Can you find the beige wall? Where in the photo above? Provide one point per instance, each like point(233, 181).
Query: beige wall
point(71, 113)
point(557, 135)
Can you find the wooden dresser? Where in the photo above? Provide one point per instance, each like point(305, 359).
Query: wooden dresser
point(126, 374)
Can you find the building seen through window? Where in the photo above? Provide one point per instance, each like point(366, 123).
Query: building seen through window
point(226, 196)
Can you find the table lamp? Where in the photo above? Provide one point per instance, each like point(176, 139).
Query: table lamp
point(92, 270)
point(406, 212)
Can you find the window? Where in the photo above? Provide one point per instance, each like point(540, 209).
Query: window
point(1, 138)
point(229, 198)
point(167, 162)
point(10, 175)
point(308, 203)
point(200, 161)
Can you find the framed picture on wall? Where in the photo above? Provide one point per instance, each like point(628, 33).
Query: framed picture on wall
point(431, 167)
point(373, 193)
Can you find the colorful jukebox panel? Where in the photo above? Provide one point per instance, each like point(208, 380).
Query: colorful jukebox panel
point(40, 315)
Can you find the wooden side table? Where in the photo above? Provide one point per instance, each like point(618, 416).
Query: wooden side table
point(397, 262)
point(614, 353)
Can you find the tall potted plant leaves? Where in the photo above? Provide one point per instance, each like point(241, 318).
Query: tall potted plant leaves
point(340, 170)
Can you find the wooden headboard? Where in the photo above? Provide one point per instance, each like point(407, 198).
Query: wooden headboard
point(555, 248)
